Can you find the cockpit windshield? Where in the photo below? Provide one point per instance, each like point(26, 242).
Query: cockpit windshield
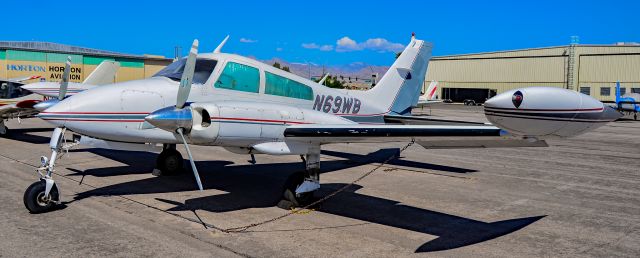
point(203, 70)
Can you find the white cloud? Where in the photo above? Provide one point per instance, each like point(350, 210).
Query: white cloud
point(346, 44)
point(246, 40)
point(380, 44)
point(279, 49)
point(310, 45)
point(326, 48)
point(316, 46)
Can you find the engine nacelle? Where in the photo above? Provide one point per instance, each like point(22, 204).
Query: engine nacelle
point(248, 124)
point(546, 112)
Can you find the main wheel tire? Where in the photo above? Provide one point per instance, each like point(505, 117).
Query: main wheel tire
point(36, 202)
point(290, 187)
point(170, 162)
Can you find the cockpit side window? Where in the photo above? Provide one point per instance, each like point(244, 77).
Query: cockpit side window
point(10, 90)
point(203, 70)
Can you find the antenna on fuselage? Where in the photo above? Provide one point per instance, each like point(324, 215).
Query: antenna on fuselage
point(324, 78)
point(224, 41)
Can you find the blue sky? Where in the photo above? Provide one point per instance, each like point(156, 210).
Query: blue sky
point(322, 32)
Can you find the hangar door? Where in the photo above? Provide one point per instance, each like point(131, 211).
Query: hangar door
point(462, 94)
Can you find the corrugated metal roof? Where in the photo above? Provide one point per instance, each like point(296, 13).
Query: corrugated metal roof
point(583, 49)
point(67, 49)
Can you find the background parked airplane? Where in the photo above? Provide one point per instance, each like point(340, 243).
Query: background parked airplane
point(629, 103)
point(18, 100)
point(430, 96)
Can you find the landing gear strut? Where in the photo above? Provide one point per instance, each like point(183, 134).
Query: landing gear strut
point(170, 161)
point(43, 196)
point(300, 187)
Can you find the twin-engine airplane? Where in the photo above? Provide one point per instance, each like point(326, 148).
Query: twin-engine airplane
point(18, 100)
point(249, 107)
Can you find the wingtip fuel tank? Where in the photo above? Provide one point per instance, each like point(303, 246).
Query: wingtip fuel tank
point(547, 112)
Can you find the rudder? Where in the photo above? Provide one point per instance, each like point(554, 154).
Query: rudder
point(404, 79)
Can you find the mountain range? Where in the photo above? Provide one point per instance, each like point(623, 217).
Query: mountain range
point(357, 69)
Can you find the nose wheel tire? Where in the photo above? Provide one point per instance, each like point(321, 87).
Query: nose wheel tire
point(170, 162)
point(36, 202)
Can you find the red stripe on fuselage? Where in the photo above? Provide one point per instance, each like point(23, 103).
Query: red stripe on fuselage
point(94, 120)
point(258, 120)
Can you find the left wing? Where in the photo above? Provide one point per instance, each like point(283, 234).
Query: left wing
point(429, 136)
point(9, 111)
point(20, 81)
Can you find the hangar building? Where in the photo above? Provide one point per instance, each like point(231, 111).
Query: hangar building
point(590, 69)
point(21, 59)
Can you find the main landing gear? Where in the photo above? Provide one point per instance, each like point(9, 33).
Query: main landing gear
point(43, 196)
point(170, 161)
point(300, 187)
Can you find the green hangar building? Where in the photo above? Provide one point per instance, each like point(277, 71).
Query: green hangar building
point(46, 60)
point(589, 69)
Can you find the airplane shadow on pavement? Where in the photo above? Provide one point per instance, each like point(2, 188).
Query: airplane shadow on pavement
point(260, 186)
point(26, 135)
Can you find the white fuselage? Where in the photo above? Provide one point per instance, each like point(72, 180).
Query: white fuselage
point(116, 112)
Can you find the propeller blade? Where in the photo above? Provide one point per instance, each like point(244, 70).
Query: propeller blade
point(193, 163)
point(187, 76)
point(65, 79)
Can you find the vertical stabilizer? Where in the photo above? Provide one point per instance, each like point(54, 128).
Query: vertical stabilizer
point(105, 73)
point(399, 89)
point(617, 93)
point(431, 93)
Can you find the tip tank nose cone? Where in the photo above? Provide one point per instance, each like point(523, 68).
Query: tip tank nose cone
point(611, 114)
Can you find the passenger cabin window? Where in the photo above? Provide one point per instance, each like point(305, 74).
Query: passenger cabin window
point(203, 70)
point(281, 86)
point(239, 77)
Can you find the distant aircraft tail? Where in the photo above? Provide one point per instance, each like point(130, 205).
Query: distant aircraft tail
point(399, 89)
point(432, 90)
point(617, 93)
point(105, 73)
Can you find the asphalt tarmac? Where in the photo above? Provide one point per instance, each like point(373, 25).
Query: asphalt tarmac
point(579, 197)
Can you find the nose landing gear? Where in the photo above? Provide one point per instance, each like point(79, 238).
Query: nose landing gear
point(36, 198)
point(43, 196)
